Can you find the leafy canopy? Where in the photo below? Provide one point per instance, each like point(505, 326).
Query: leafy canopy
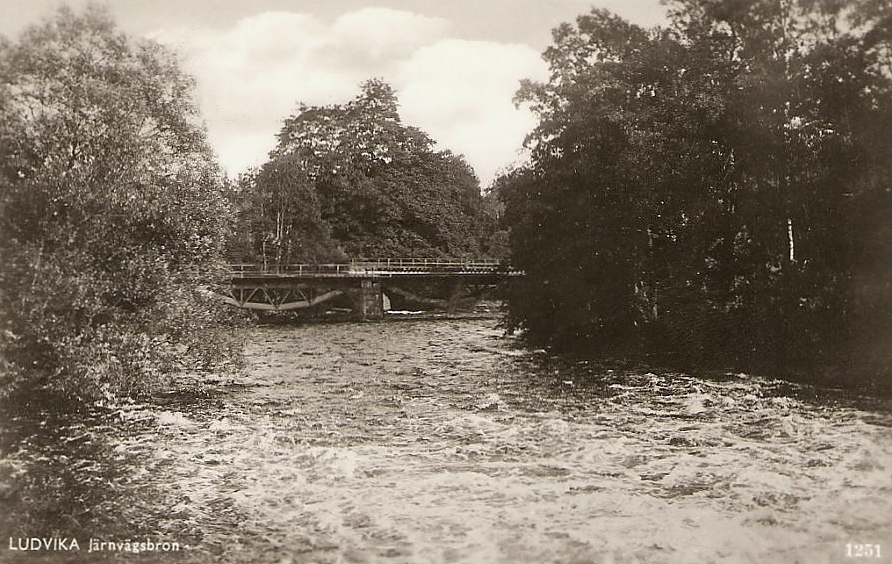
point(111, 214)
point(717, 190)
point(375, 184)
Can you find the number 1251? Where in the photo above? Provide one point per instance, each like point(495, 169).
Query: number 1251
point(855, 550)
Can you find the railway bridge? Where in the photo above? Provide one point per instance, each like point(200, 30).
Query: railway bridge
point(365, 282)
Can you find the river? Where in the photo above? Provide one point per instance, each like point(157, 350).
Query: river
point(439, 440)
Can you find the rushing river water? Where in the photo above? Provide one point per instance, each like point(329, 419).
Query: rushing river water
point(437, 441)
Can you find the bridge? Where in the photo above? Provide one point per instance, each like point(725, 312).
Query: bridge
point(366, 284)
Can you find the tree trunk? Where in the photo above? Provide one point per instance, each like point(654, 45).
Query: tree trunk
point(791, 243)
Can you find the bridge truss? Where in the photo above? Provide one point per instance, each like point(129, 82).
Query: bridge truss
point(363, 282)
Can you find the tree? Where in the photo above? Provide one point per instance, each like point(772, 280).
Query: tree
point(381, 186)
point(714, 186)
point(111, 213)
point(281, 218)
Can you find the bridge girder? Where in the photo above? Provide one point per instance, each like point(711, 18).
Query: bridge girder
point(294, 287)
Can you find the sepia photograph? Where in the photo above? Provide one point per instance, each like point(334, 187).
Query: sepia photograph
point(445, 281)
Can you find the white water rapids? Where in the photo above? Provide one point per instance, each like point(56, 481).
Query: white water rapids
point(436, 441)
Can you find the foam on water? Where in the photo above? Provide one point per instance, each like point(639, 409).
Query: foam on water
point(423, 442)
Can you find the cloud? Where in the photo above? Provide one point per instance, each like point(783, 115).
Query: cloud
point(252, 76)
point(377, 37)
point(461, 92)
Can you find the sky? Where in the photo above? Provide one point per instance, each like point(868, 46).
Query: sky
point(455, 64)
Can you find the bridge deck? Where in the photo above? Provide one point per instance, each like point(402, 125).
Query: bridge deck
point(375, 268)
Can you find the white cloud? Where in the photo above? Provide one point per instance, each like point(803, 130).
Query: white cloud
point(461, 92)
point(253, 75)
point(378, 37)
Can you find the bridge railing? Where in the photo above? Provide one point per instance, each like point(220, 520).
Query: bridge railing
point(245, 270)
point(423, 265)
point(371, 266)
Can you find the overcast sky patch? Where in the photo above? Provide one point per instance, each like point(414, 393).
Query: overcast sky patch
point(254, 74)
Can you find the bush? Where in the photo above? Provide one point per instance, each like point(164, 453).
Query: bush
point(112, 218)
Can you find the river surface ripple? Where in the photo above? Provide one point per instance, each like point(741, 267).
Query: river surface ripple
point(437, 441)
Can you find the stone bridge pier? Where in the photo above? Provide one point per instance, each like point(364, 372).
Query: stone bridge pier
point(368, 300)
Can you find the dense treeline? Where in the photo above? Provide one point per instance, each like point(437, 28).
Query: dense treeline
point(351, 180)
point(718, 191)
point(112, 217)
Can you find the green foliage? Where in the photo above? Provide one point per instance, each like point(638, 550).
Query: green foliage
point(279, 216)
point(375, 184)
point(718, 189)
point(111, 213)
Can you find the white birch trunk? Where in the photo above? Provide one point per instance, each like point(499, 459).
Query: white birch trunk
point(791, 243)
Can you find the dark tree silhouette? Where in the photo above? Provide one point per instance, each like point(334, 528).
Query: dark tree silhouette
point(718, 189)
